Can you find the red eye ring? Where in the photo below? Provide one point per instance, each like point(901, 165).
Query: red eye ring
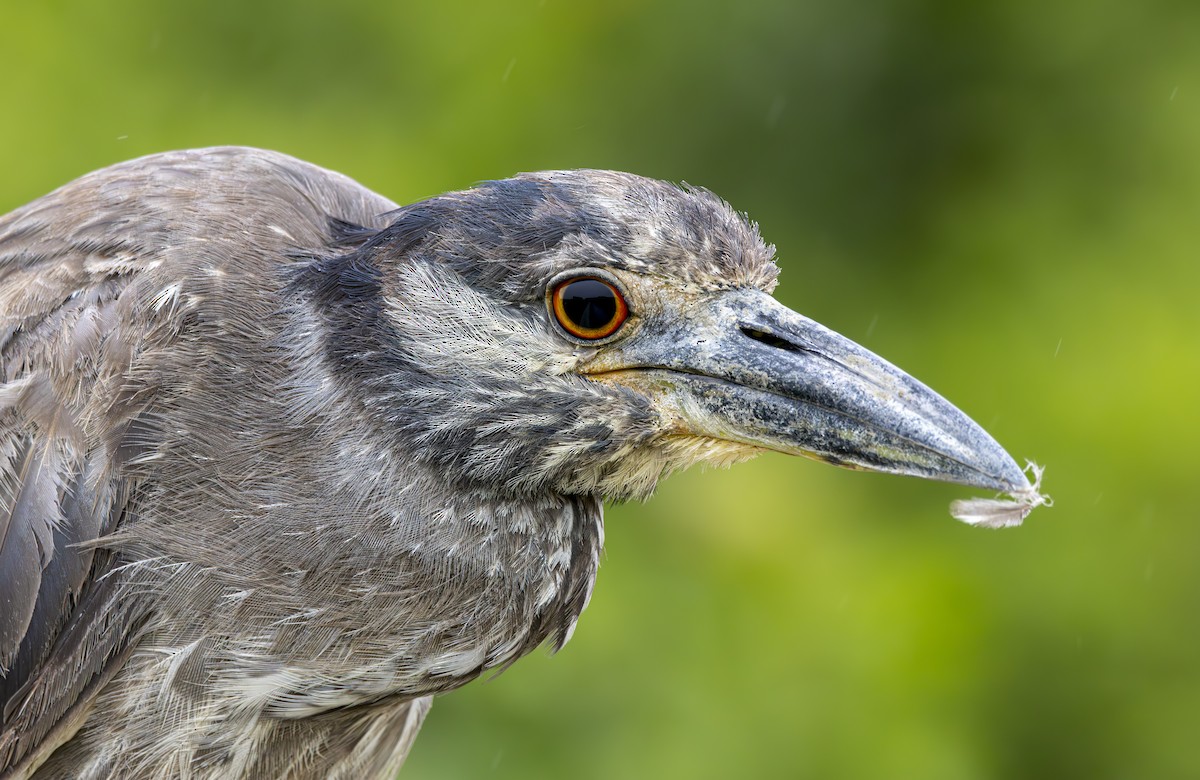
point(588, 307)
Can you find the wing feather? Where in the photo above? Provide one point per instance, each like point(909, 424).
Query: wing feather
point(90, 283)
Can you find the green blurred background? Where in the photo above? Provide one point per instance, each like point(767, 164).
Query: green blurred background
point(1003, 198)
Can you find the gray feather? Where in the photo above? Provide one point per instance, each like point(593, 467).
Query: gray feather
point(280, 461)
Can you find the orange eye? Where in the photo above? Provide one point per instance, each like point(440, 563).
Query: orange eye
point(588, 307)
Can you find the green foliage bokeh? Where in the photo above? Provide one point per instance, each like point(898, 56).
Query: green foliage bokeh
point(1000, 197)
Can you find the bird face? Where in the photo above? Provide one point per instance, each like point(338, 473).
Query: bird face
point(591, 331)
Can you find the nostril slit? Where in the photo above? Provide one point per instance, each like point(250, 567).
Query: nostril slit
point(771, 340)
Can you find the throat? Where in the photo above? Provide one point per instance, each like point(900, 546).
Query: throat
point(473, 584)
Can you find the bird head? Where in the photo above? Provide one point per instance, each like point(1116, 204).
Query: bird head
point(588, 332)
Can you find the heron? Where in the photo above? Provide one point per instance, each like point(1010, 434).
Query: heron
point(280, 460)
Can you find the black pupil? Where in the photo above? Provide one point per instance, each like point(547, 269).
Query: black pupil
point(589, 303)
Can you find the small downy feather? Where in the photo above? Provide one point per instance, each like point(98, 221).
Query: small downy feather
point(1001, 512)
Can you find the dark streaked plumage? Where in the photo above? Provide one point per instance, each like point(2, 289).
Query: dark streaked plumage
point(279, 461)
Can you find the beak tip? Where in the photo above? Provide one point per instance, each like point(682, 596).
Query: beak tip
point(1002, 473)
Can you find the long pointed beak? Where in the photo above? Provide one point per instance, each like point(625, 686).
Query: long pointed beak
point(742, 367)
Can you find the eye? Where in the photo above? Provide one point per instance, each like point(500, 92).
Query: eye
point(588, 307)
